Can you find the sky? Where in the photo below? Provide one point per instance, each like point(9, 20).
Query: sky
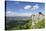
point(18, 8)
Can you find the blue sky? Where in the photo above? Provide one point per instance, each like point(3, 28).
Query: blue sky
point(16, 8)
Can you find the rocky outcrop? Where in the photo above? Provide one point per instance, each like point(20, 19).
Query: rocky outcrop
point(36, 18)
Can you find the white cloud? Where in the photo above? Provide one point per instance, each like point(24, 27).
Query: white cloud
point(10, 13)
point(35, 7)
point(27, 7)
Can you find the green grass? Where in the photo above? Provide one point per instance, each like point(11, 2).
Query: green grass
point(41, 24)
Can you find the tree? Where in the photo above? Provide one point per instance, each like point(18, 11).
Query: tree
point(40, 13)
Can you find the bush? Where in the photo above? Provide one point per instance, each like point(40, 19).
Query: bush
point(41, 24)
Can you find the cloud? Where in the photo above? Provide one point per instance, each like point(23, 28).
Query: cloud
point(35, 7)
point(10, 13)
point(27, 7)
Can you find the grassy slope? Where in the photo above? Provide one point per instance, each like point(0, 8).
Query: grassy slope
point(41, 24)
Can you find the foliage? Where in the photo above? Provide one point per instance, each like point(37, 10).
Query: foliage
point(41, 24)
point(26, 25)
